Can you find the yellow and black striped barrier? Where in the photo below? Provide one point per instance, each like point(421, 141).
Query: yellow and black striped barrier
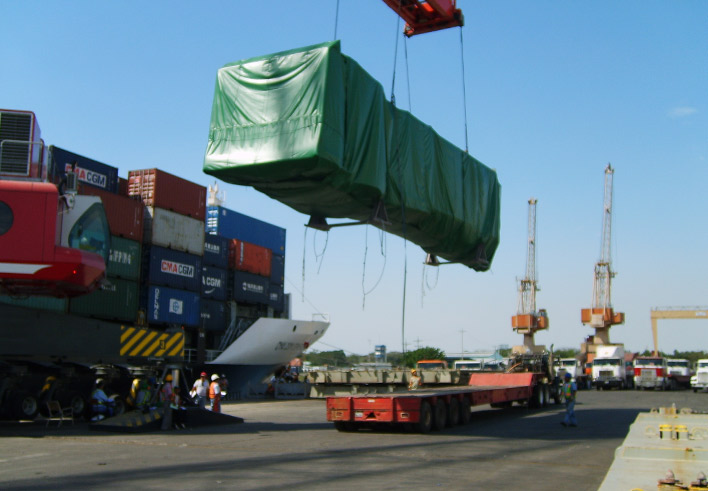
point(143, 342)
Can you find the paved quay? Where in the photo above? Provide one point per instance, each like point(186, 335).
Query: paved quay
point(290, 444)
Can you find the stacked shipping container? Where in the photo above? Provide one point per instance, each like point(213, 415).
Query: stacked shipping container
point(162, 260)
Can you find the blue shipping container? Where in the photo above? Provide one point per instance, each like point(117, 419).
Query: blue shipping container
point(171, 306)
point(171, 268)
point(277, 269)
point(234, 225)
point(250, 288)
point(214, 315)
point(214, 282)
point(216, 251)
point(88, 171)
point(276, 295)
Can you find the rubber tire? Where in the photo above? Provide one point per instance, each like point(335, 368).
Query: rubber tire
point(465, 414)
point(546, 395)
point(425, 420)
point(25, 406)
point(453, 413)
point(74, 400)
point(440, 419)
point(557, 394)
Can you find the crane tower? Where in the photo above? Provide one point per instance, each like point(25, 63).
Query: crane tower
point(602, 316)
point(527, 320)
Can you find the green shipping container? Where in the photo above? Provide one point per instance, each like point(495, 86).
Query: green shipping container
point(117, 300)
point(51, 304)
point(310, 128)
point(124, 259)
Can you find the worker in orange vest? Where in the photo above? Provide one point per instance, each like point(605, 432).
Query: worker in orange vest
point(215, 394)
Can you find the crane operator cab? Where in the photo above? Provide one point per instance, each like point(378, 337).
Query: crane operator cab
point(53, 242)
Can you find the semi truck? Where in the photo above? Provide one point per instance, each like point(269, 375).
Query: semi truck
point(530, 382)
point(608, 368)
point(576, 370)
point(650, 372)
point(679, 373)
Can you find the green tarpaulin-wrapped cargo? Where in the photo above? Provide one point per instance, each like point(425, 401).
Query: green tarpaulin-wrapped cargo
point(310, 128)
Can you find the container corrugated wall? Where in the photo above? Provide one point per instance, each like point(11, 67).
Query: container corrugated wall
point(52, 304)
point(88, 171)
point(171, 306)
point(251, 258)
point(234, 225)
point(163, 190)
point(124, 259)
point(171, 268)
point(125, 215)
point(216, 251)
point(214, 283)
point(116, 300)
point(169, 229)
point(214, 315)
point(276, 296)
point(277, 269)
point(250, 288)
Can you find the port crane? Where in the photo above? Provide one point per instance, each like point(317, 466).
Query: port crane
point(673, 313)
point(602, 316)
point(527, 320)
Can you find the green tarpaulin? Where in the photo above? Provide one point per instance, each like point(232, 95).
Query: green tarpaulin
point(310, 128)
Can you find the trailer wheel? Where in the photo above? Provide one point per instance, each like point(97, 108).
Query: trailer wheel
point(440, 419)
point(25, 406)
point(453, 413)
point(425, 420)
point(465, 415)
point(546, 395)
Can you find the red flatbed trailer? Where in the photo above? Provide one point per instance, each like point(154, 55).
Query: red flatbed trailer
point(424, 409)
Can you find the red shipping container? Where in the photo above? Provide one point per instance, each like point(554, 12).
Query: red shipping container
point(163, 190)
point(122, 186)
point(251, 258)
point(125, 215)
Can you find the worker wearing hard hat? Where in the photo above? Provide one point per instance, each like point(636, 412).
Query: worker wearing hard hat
point(101, 405)
point(414, 382)
point(569, 391)
point(200, 390)
point(215, 394)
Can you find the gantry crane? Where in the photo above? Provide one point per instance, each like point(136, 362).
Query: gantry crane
point(602, 316)
point(673, 313)
point(527, 320)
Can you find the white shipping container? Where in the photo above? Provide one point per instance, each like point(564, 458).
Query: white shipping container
point(169, 229)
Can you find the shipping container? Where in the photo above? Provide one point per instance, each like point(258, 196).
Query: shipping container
point(250, 288)
point(123, 186)
point(277, 269)
point(124, 259)
point(117, 299)
point(171, 306)
point(51, 304)
point(216, 251)
point(163, 190)
point(214, 283)
point(214, 315)
point(276, 297)
point(234, 225)
point(125, 215)
point(251, 258)
point(88, 171)
point(175, 269)
point(169, 229)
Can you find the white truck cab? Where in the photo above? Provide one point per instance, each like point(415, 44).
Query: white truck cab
point(650, 372)
point(700, 380)
point(608, 369)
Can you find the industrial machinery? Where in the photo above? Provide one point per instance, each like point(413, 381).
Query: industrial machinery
point(602, 315)
point(673, 313)
point(423, 16)
point(527, 319)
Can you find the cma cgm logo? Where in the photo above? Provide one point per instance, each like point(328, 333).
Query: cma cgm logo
point(210, 284)
point(88, 175)
point(179, 269)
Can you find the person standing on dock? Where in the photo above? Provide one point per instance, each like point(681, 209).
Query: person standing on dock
point(215, 394)
point(569, 391)
point(200, 390)
point(414, 382)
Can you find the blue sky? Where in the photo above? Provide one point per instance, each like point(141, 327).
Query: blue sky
point(555, 91)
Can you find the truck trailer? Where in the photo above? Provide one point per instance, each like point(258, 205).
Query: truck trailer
point(532, 384)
